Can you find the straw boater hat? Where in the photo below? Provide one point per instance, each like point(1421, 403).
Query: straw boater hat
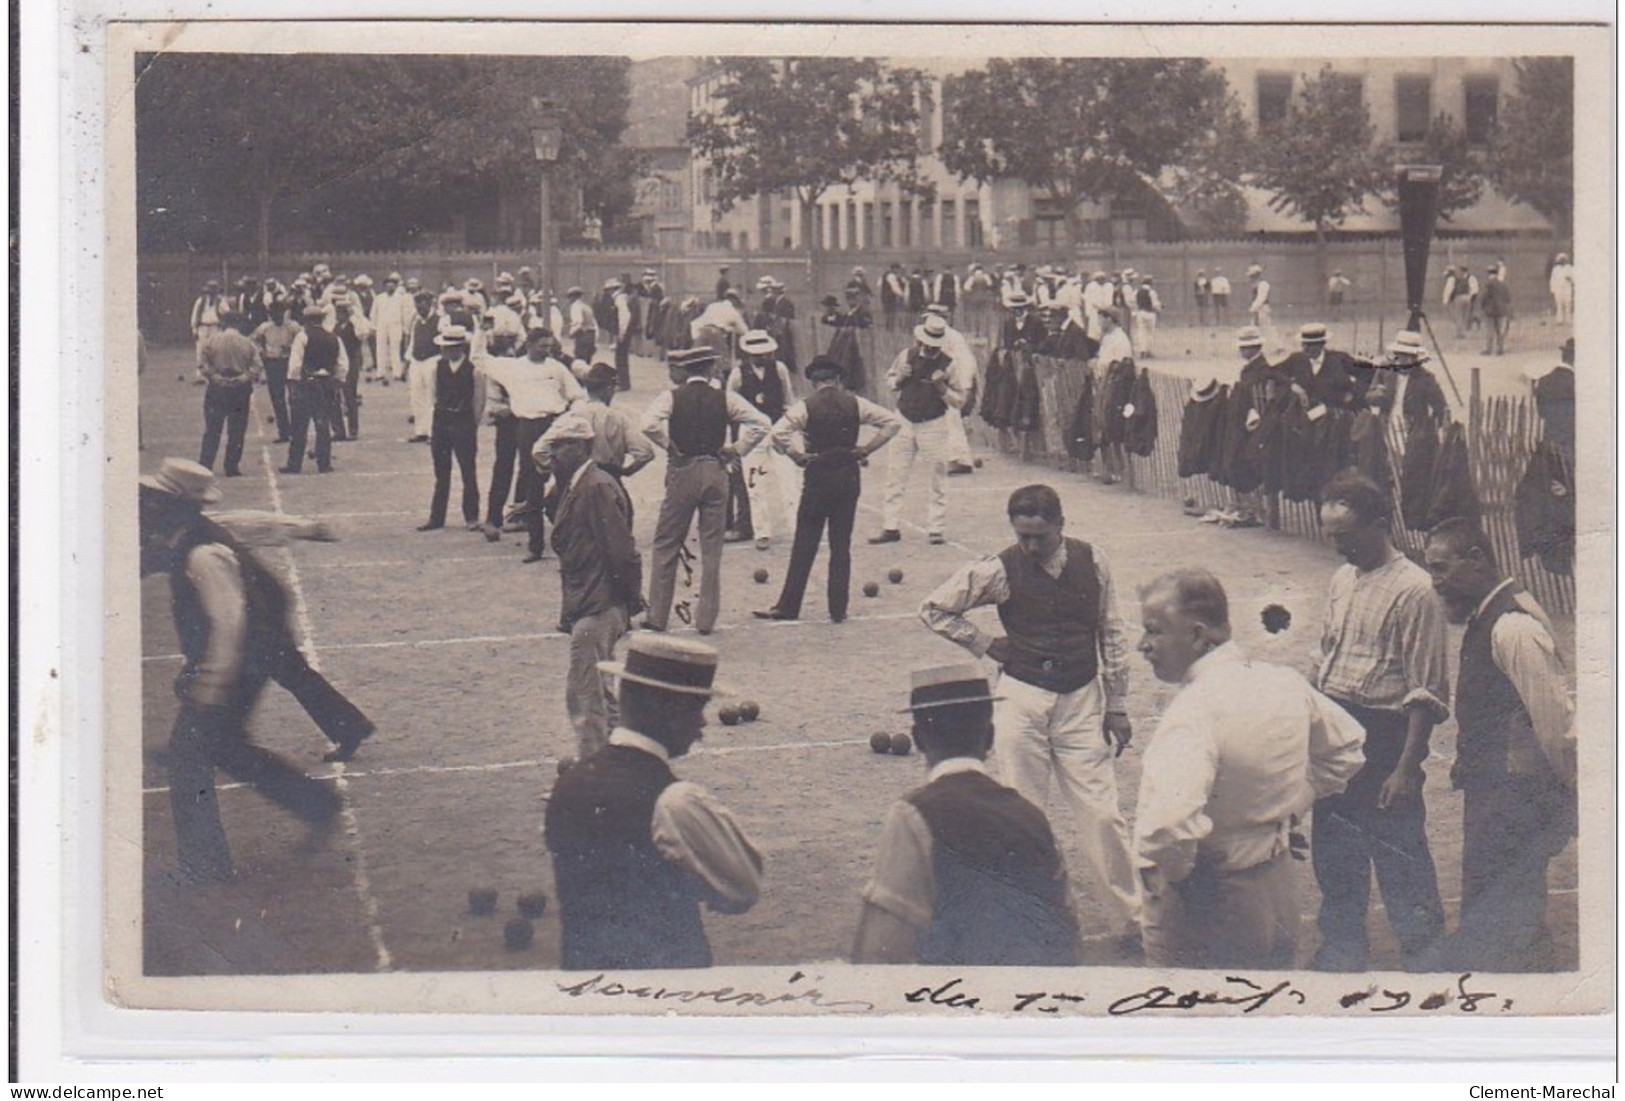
point(1408, 343)
point(184, 479)
point(692, 359)
point(611, 284)
point(473, 285)
point(932, 332)
point(1254, 269)
point(451, 335)
point(947, 685)
point(314, 313)
point(650, 273)
point(758, 343)
point(1248, 336)
point(1207, 391)
point(393, 277)
point(1018, 300)
point(362, 280)
point(504, 277)
point(574, 292)
point(670, 664)
point(937, 309)
point(1312, 333)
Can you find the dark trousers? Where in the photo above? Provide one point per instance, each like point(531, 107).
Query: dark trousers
point(507, 447)
point(206, 738)
point(1511, 828)
point(459, 439)
point(350, 400)
point(623, 364)
point(532, 482)
point(313, 403)
point(276, 385)
point(827, 497)
point(1351, 837)
point(225, 407)
point(586, 346)
point(338, 719)
point(1495, 337)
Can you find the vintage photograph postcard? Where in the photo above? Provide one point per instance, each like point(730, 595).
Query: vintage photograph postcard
point(859, 521)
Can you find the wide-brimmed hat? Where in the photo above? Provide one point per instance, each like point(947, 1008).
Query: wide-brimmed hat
point(1312, 333)
point(451, 335)
point(611, 284)
point(1407, 342)
point(313, 313)
point(1248, 336)
point(572, 426)
point(758, 343)
point(184, 479)
point(505, 277)
point(947, 685)
point(830, 302)
point(671, 664)
point(932, 331)
point(692, 359)
point(938, 309)
point(414, 283)
point(362, 281)
point(1254, 269)
point(1018, 300)
point(393, 277)
point(574, 292)
point(1207, 391)
point(650, 273)
point(472, 284)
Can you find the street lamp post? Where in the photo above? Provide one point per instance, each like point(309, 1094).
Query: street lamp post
point(546, 135)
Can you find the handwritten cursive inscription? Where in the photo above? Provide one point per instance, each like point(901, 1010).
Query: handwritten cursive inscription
point(603, 986)
point(1252, 997)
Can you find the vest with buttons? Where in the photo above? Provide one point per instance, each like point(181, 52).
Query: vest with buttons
point(832, 420)
point(765, 392)
point(454, 392)
point(699, 419)
point(1495, 737)
point(1053, 624)
point(266, 636)
point(918, 398)
point(424, 330)
point(621, 904)
point(1001, 897)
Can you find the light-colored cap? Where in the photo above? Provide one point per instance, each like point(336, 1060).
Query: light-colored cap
point(1248, 336)
point(184, 479)
point(757, 342)
point(571, 426)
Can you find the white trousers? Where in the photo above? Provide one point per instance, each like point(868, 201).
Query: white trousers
point(390, 361)
point(927, 441)
point(1145, 332)
point(422, 394)
point(958, 442)
point(769, 474)
point(1039, 735)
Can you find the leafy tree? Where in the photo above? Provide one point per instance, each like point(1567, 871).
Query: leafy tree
point(1461, 184)
point(1205, 184)
point(805, 125)
point(1083, 128)
point(1318, 160)
point(1532, 151)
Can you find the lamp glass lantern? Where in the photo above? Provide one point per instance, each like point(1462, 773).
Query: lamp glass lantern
point(546, 131)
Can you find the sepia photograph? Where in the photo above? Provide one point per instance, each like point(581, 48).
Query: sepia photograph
point(859, 521)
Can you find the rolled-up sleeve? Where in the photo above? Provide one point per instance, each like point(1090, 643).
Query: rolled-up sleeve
point(1419, 618)
point(1114, 647)
point(698, 834)
point(656, 420)
point(214, 573)
point(903, 884)
point(979, 584)
point(788, 427)
point(1170, 818)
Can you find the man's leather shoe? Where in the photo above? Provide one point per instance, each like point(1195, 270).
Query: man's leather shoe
point(735, 537)
point(936, 539)
point(492, 535)
point(773, 613)
point(346, 747)
point(960, 468)
point(289, 470)
point(890, 535)
point(430, 527)
point(536, 557)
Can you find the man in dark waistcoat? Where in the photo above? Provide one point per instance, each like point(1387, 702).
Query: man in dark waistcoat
point(820, 435)
point(1515, 755)
point(690, 423)
point(763, 379)
point(459, 406)
point(1321, 379)
point(926, 386)
point(635, 850)
point(968, 874)
point(317, 365)
point(230, 617)
point(1064, 679)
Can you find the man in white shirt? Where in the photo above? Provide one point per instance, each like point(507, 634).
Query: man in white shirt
point(719, 325)
point(1243, 749)
point(926, 387)
point(1147, 306)
point(580, 325)
point(1561, 284)
point(1097, 300)
point(391, 315)
point(1219, 285)
point(963, 369)
point(1259, 308)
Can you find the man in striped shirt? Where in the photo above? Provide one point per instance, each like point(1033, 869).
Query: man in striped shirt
point(1382, 659)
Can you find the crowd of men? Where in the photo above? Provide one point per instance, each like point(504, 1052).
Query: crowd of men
point(968, 870)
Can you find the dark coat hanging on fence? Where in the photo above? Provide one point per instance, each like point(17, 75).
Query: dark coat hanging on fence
point(1368, 448)
point(1029, 404)
point(1072, 342)
point(1236, 466)
point(1117, 392)
point(1201, 425)
point(1270, 442)
point(1080, 433)
point(1453, 491)
point(1544, 509)
point(1141, 430)
point(999, 390)
point(1416, 473)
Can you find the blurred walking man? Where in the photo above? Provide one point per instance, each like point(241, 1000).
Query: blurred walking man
point(1242, 750)
point(1064, 679)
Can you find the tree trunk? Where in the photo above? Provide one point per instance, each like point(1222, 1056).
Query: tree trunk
point(811, 244)
point(515, 198)
point(1321, 259)
point(262, 235)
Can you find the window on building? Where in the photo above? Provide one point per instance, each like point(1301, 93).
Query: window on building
point(1274, 93)
point(708, 181)
point(1482, 96)
point(868, 225)
point(744, 241)
point(905, 228)
point(1049, 232)
point(928, 210)
point(973, 223)
point(928, 120)
point(888, 227)
point(1413, 107)
point(725, 241)
point(851, 225)
point(950, 228)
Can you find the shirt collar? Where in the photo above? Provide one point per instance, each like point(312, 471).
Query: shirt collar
point(1227, 653)
point(953, 765)
point(631, 739)
point(692, 379)
point(577, 476)
point(1493, 593)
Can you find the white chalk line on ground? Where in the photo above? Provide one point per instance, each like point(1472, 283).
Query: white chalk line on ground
point(352, 828)
point(539, 636)
point(534, 762)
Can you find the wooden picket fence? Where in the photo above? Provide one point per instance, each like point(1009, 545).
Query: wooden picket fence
point(1501, 435)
